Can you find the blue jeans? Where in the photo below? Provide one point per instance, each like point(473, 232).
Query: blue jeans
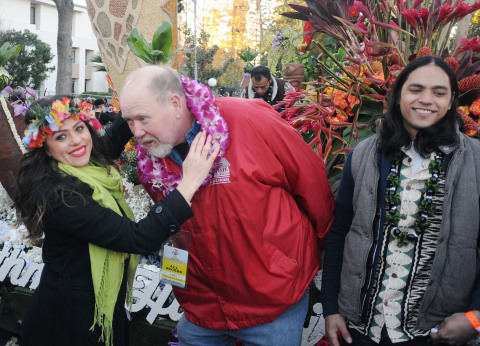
point(285, 330)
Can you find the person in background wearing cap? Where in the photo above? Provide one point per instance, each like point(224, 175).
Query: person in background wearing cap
point(103, 117)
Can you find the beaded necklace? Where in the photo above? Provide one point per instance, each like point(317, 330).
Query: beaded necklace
point(426, 207)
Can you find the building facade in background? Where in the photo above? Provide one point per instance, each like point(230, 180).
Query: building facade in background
point(41, 18)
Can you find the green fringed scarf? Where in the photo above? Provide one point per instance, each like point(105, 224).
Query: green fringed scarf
point(107, 265)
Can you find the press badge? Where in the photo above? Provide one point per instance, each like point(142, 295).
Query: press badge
point(175, 259)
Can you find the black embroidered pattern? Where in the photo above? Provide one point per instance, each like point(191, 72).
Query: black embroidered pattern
point(426, 208)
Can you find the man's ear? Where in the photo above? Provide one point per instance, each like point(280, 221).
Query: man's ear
point(176, 103)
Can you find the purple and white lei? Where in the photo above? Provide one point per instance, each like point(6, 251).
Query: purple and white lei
point(200, 102)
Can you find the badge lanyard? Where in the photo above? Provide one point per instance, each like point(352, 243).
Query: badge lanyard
point(175, 259)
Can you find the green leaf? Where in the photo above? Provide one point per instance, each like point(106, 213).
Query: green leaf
point(162, 38)
point(142, 50)
point(5, 78)
point(136, 35)
point(7, 52)
point(158, 56)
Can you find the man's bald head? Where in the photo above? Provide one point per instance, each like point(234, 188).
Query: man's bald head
point(160, 81)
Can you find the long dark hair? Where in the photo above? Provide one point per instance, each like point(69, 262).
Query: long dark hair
point(41, 182)
point(394, 136)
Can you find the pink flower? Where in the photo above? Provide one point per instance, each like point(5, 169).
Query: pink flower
point(96, 124)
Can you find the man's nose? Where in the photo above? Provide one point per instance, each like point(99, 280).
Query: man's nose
point(426, 97)
point(138, 131)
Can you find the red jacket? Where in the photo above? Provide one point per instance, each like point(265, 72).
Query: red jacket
point(255, 231)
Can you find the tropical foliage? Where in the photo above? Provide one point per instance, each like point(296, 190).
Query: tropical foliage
point(30, 67)
point(6, 53)
point(248, 55)
point(158, 51)
point(376, 39)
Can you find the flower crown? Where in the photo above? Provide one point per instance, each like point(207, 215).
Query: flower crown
point(50, 119)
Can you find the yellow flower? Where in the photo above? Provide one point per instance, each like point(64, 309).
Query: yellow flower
point(60, 107)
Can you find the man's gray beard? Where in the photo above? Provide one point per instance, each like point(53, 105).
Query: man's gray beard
point(160, 150)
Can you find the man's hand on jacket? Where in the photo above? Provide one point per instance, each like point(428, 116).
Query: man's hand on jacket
point(333, 324)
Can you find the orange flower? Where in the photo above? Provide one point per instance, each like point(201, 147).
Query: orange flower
point(463, 110)
point(130, 145)
point(340, 100)
point(475, 107)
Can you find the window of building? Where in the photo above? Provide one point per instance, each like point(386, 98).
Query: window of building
point(73, 87)
point(32, 14)
point(73, 57)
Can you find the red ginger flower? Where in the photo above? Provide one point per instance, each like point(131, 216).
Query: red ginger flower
point(461, 11)
point(411, 15)
point(307, 38)
point(468, 83)
point(423, 15)
point(454, 65)
point(444, 11)
point(466, 44)
point(360, 7)
point(354, 12)
point(424, 51)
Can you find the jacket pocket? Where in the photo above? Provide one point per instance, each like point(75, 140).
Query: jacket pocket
point(280, 264)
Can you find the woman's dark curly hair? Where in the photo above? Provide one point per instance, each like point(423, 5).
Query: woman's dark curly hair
point(41, 182)
point(394, 136)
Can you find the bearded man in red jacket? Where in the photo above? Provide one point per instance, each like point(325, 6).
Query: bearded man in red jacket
point(260, 218)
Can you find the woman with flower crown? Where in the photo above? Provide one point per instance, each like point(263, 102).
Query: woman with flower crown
point(70, 192)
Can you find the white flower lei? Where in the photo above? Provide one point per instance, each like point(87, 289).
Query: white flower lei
point(12, 124)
